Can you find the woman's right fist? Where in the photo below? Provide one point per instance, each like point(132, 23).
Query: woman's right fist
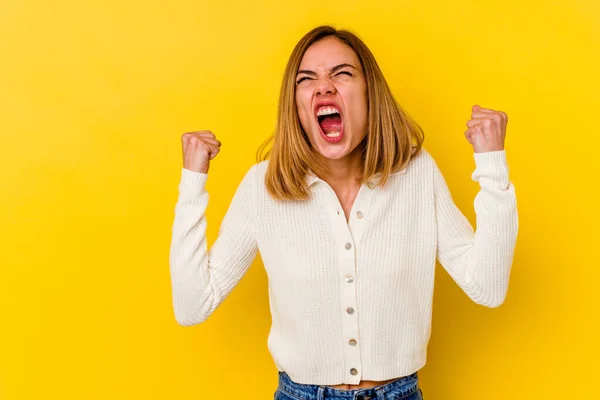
point(198, 149)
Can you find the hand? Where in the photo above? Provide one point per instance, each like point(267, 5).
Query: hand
point(198, 149)
point(487, 129)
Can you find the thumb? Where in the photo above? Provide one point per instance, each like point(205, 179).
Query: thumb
point(478, 141)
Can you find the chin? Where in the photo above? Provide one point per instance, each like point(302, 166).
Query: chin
point(333, 152)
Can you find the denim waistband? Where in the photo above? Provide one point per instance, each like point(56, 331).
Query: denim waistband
point(400, 387)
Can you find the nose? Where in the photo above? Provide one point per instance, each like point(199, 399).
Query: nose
point(325, 86)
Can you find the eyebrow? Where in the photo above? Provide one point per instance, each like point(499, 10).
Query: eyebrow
point(334, 69)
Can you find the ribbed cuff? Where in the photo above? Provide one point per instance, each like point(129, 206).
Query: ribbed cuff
point(493, 166)
point(491, 159)
point(193, 179)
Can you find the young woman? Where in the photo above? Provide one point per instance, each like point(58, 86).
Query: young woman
point(349, 213)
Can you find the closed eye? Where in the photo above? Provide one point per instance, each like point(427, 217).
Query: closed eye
point(301, 79)
point(307, 77)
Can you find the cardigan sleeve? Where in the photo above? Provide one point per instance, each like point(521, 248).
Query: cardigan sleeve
point(479, 261)
point(200, 278)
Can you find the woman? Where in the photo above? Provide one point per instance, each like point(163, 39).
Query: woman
point(349, 213)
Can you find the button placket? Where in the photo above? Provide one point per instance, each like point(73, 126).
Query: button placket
point(347, 235)
point(346, 267)
point(351, 349)
point(359, 212)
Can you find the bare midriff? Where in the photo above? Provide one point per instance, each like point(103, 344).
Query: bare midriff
point(362, 385)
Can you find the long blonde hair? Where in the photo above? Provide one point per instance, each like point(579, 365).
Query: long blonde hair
point(393, 137)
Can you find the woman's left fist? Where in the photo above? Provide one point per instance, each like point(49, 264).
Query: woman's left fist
point(487, 129)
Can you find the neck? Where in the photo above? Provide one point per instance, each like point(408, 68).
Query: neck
point(343, 171)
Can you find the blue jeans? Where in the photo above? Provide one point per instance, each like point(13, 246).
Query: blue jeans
point(405, 388)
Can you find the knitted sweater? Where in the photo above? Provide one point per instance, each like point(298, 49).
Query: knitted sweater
point(349, 301)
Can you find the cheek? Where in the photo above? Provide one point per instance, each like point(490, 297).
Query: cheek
point(303, 107)
point(363, 99)
point(359, 106)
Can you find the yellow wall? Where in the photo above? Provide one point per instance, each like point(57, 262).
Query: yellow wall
point(95, 95)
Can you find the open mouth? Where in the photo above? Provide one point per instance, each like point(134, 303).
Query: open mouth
point(330, 122)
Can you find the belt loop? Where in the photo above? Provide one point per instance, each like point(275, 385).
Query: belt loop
point(380, 393)
point(321, 393)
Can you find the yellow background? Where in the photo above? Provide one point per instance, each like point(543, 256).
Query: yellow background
point(95, 95)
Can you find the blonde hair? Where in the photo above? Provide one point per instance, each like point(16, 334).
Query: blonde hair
point(387, 147)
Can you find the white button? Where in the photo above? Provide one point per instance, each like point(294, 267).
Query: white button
point(353, 371)
point(349, 279)
point(348, 246)
point(359, 214)
point(352, 342)
point(350, 310)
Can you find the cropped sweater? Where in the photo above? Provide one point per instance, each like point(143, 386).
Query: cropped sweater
point(349, 300)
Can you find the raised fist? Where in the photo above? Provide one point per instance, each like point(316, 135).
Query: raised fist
point(487, 129)
point(198, 149)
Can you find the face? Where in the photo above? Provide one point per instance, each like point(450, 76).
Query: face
point(331, 97)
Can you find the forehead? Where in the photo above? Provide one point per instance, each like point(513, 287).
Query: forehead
point(327, 53)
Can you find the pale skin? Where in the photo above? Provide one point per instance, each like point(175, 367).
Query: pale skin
point(330, 70)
